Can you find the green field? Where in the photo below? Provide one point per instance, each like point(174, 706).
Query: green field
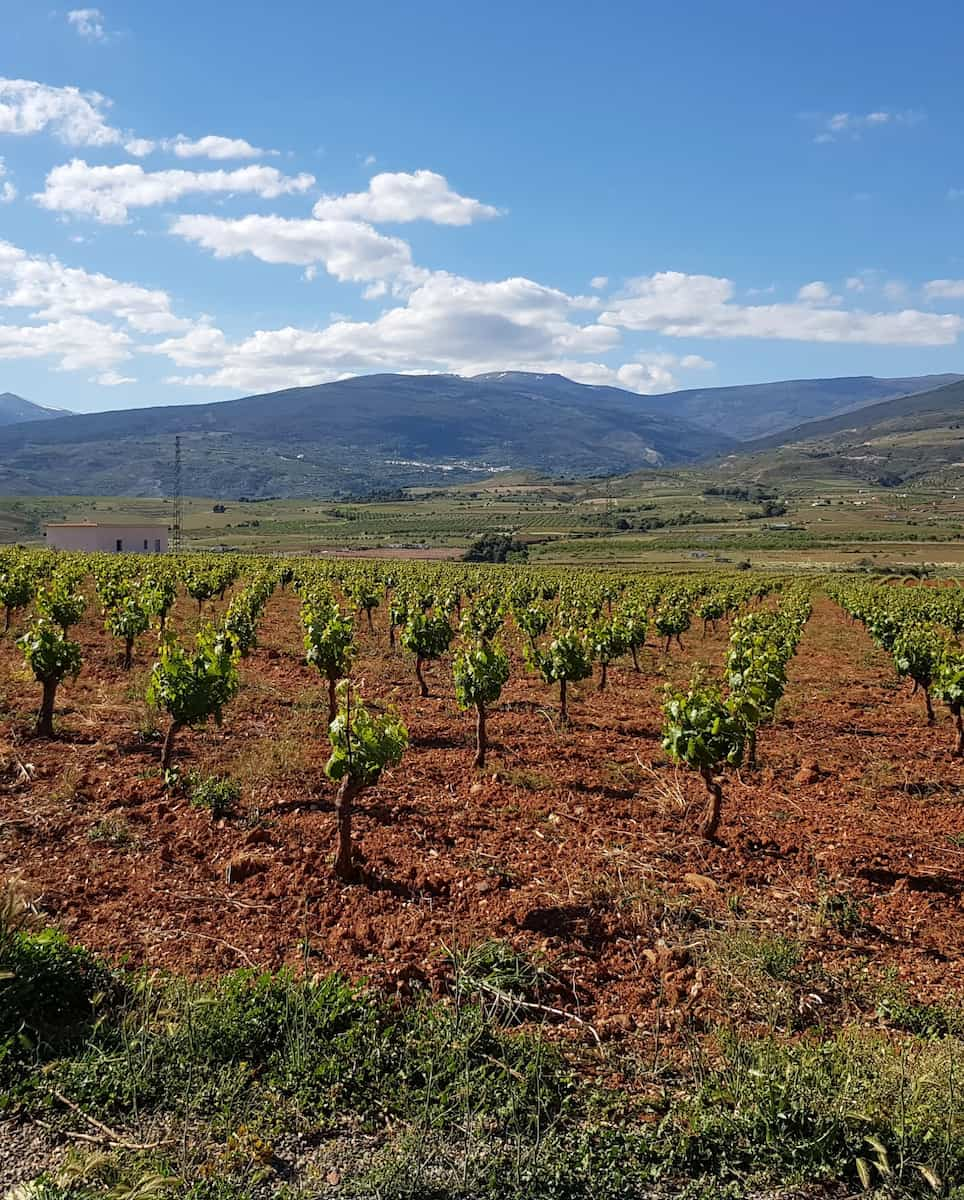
point(656, 518)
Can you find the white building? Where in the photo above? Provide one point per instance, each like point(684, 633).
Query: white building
point(106, 537)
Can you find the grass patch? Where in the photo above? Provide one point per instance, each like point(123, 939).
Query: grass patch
point(526, 778)
point(437, 1098)
point(896, 1006)
point(219, 794)
point(112, 831)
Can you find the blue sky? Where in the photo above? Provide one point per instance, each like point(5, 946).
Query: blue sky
point(202, 201)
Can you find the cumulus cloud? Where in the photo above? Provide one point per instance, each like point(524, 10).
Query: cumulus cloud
point(88, 23)
point(52, 291)
point(400, 197)
point(647, 374)
point(291, 356)
point(79, 118)
point(213, 146)
point(107, 193)
point(140, 147)
point(817, 292)
point(598, 282)
point(78, 319)
point(75, 117)
point(680, 305)
point(944, 289)
point(851, 126)
point(348, 250)
point(447, 323)
point(76, 343)
point(441, 321)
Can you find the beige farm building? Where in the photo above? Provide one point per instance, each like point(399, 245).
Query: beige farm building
point(106, 537)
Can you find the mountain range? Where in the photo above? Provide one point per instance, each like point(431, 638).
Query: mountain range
point(899, 440)
point(382, 432)
point(14, 410)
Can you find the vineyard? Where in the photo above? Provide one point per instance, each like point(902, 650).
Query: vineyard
point(678, 834)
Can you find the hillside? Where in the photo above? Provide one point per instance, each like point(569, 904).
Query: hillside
point(14, 409)
point(757, 410)
point(379, 433)
point(900, 440)
point(374, 432)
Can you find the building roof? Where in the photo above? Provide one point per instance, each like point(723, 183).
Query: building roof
point(104, 525)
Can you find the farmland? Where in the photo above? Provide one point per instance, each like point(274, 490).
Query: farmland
point(682, 520)
point(540, 976)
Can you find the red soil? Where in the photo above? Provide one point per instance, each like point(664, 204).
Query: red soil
point(572, 844)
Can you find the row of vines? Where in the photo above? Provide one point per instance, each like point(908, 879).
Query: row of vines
point(922, 629)
point(567, 626)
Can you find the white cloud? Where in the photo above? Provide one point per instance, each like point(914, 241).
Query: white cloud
point(647, 374)
point(201, 346)
point(401, 197)
point(349, 250)
point(107, 193)
point(140, 147)
point(448, 323)
point(438, 321)
point(7, 191)
point(895, 290)
point(291, 357)
point(598, 282)
point(213, 146)
point(680, 305)
point(944, 289)
point(53, 292)
point(75, 117)
point(369, 160)
point(855, 283)
point(79, 118)
point(77, 343)
point(112, 379)
point(851, 126)
point(79, 320)
point(89, 23)
point(817, 292)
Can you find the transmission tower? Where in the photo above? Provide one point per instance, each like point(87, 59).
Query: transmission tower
point(611, 519)
point(176, 523)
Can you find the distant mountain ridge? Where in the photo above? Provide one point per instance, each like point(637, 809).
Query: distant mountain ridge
point(756, 410)
point(920, 436)
point(916, 411)
point(379, 433)
point(14, 409)
point(371, 432)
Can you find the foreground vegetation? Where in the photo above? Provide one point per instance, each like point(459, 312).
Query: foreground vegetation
point(485, 1077)
point(171, 1088)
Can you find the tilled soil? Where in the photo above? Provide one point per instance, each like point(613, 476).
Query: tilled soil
point(578, 844)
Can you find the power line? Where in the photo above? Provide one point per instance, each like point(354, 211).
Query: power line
point(176, 500)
